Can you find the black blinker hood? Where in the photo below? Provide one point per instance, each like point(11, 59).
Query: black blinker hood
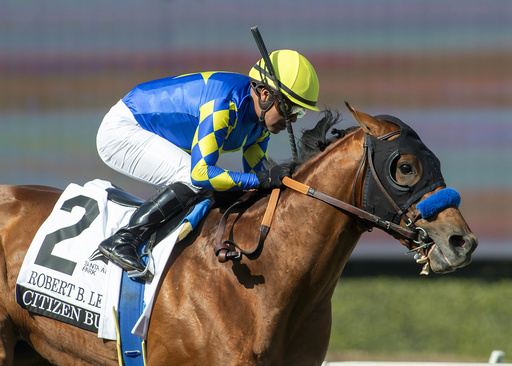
point(384, 153)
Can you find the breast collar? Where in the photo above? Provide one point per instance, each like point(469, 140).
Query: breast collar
point(383, 152)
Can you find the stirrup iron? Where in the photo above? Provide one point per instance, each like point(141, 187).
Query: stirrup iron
point(149, 271)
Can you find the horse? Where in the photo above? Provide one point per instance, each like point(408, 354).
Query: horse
point(271, 308)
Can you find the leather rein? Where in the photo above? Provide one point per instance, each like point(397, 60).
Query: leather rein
point(229, 250)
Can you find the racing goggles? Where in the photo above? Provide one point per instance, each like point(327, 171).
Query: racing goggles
point(290, 109)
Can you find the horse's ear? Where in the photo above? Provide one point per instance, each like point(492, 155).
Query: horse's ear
point(358, 116)
point(370, 125)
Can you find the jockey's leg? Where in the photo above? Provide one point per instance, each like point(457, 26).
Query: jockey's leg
point(121, 248)
point(143, 155)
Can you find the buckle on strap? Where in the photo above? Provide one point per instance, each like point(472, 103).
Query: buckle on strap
point(226, 252)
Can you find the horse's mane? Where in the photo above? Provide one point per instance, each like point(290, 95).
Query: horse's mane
point(311, 143)
point(315, 140)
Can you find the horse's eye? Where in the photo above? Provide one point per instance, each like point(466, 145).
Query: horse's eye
point(405, 169)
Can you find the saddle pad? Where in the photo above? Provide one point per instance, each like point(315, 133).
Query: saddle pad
point(64, 277)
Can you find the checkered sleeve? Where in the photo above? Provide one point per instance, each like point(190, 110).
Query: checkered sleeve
point(216, 121)
point(255, 154)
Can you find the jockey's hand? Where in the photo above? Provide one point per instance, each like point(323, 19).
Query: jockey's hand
point(272, 178)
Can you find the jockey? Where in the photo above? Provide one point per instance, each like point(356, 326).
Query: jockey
point(170, 132)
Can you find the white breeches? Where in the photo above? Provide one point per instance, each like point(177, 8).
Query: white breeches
point(129, 149)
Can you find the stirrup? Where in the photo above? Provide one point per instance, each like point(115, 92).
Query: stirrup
point(149, 271)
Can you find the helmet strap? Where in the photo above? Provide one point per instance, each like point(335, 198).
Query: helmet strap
point(264, 106)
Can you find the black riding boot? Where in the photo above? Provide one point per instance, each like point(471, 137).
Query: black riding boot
point(121, 248)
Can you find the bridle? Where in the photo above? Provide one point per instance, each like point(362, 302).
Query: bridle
point(415, 237)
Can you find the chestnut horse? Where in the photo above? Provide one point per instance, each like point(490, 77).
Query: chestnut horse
point(271, 309)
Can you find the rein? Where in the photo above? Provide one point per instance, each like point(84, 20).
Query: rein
point(225, 250)
point(348, 208)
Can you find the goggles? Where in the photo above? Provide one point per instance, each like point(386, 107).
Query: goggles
point(290, 109)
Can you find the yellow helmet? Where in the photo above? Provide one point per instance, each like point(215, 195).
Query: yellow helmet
point(296, 75)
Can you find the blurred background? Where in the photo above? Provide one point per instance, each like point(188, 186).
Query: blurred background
point(443, 67)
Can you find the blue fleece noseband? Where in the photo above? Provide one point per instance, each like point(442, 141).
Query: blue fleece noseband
point(438, 202)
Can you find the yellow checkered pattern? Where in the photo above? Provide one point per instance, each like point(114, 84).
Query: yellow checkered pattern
point(217, 120)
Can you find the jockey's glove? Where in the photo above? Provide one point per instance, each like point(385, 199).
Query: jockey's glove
point(272, 178)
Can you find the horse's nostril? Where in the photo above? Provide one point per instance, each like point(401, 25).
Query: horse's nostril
point(457, 241)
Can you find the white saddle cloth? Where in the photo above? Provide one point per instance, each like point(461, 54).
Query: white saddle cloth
point(64, 277)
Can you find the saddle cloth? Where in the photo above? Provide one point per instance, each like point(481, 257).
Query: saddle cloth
point(64, 277)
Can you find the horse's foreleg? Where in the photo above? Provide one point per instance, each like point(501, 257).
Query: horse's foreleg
point(309, 344)
point(24, 355)
point(7, 339)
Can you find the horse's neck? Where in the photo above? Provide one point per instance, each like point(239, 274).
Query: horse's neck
point(333, 172)
point(309, 238)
